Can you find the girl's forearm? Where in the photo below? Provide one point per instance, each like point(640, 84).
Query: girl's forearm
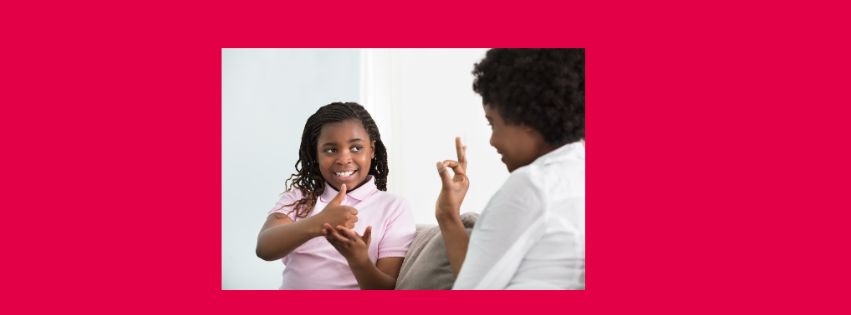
point(278, 241)
point(369, 277)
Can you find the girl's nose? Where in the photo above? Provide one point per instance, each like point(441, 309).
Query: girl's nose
point(344, 158)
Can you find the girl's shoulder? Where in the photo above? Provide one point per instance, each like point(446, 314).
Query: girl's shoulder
point(389, 200)
point(291, 195)
point(385, 196)
point(286, 200)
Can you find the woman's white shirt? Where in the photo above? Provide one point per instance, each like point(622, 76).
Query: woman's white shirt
point(531, 234)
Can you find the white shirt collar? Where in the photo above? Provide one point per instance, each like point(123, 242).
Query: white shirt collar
point(573, 150)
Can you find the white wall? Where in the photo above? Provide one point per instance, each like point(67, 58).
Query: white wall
point(420, 98)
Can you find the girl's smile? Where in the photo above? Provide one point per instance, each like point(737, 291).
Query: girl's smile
point(345, 174)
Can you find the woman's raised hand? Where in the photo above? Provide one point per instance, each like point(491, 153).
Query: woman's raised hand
point(454, 186)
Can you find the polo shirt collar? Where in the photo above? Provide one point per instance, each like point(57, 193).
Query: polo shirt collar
point(358, 194)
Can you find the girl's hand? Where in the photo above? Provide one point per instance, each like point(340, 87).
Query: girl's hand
point(454, 186)
point(348, 243)
point(336, 214)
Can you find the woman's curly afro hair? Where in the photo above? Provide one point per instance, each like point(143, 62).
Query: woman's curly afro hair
point(540, 88)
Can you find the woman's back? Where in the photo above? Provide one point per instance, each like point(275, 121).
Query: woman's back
point(532, 233)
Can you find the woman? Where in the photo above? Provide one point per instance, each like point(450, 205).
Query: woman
point(531, 235)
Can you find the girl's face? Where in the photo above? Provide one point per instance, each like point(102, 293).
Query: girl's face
point(345, 152)
point(519, 145)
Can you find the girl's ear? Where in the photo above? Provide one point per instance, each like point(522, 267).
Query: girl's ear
point(372, 144)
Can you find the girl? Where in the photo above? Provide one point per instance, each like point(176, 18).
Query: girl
point(339, 192)
point(531, 235)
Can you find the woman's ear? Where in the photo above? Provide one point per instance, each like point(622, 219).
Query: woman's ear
point(532, 131)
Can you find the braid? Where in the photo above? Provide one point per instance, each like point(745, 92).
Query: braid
point(308, 178)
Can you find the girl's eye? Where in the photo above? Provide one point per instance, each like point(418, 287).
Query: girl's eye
point(356, 149)
point(330, 150)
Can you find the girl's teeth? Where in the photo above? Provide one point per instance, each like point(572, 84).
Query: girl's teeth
point(345, 173)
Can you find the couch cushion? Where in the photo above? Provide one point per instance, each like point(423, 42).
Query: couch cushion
point(426, 265)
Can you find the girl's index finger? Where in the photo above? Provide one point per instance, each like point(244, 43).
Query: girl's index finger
point(333, 234)
point(348, 233)
point(461, 150)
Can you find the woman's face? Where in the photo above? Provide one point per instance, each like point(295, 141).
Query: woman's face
point(345, 152)
point(518, 145)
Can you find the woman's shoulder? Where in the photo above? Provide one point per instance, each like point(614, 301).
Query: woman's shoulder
point(528, 177)
point(529, 185)
point(542, 175)
point(545, 183)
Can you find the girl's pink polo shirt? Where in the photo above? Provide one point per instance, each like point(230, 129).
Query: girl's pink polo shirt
point(317, 265)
